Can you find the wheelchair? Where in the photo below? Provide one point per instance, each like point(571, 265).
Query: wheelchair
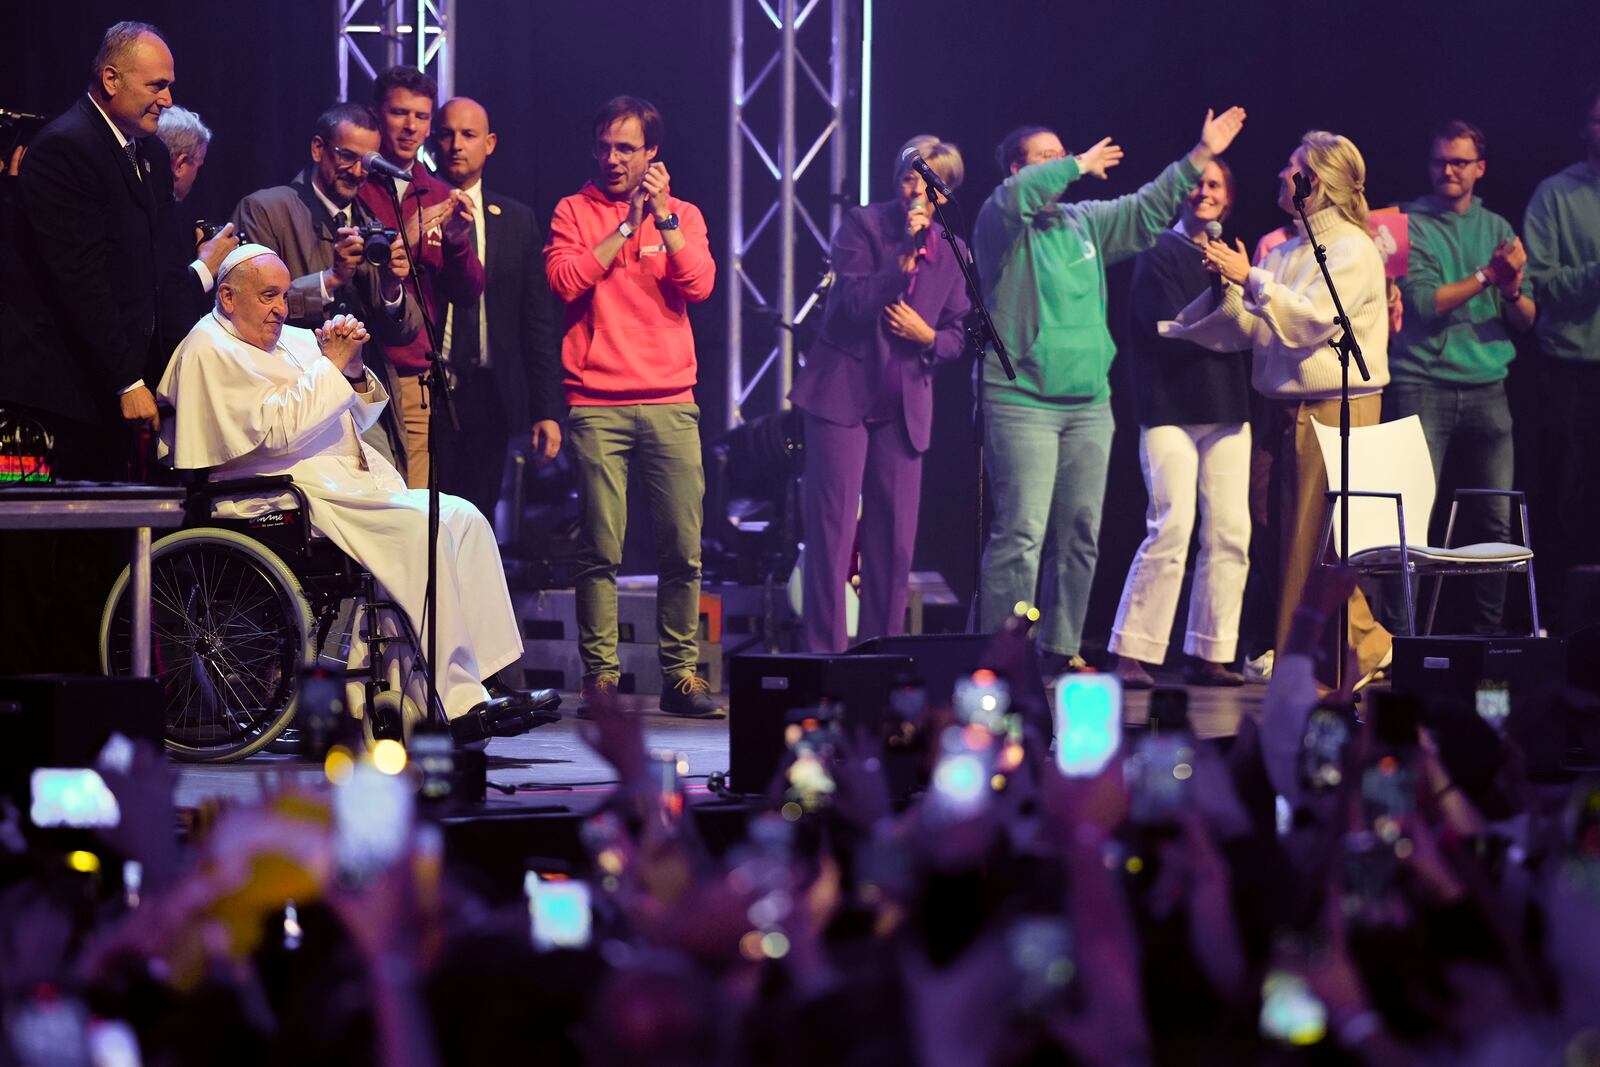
point(242, 604)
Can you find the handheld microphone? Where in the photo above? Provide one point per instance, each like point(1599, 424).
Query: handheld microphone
point(376, 164)
point(913, 159)
point(1302, 187)
point(1214, 233)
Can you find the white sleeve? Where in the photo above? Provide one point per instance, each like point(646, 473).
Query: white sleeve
point(1305, 319)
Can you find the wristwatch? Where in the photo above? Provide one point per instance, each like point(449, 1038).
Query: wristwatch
point(668, 223)
point(1481, 277)
point(624, 229)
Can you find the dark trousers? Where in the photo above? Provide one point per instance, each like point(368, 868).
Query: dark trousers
point(1468, 429)
point(472, 460)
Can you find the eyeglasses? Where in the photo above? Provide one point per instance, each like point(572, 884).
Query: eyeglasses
point(623, 152)
point(344, 157)
point(1452, 164)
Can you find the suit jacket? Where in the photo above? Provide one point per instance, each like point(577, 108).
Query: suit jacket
point(520, 311)
point(850, 361)
point(78, 309)
point(292, 221)
point(184, 300)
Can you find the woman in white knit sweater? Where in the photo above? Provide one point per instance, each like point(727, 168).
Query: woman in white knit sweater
point(1283, 312)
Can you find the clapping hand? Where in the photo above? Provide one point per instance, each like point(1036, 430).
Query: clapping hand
point(654, 187)
point(1100, 158)
point(1505, 267)
point(1232, 263)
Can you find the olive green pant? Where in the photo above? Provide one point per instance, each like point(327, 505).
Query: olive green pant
point(659, 445)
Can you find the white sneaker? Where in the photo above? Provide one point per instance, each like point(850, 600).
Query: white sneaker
point(1258, 671)
point(1378, 673)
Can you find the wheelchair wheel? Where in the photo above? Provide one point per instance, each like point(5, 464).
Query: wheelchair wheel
point(230, 630)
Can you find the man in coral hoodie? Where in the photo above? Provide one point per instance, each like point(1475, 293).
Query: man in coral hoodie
point(628, 259)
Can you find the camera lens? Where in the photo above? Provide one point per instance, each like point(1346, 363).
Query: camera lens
point(377, 249)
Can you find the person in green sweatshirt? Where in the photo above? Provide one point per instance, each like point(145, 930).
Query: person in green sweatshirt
point(1562, 227)
point(1047, 435)
point(1464, 284)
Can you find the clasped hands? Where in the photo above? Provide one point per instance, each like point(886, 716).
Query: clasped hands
point(651, 195)
point(1505, 267)
point(340, 339)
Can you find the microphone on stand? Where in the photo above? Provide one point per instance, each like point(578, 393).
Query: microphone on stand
point(1302, 187)
point(1214, 233)
point(913, 159)
point(376, 164)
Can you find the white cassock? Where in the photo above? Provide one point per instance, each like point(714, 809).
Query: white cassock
point(245, 411)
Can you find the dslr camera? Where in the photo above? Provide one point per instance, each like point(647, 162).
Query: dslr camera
point(375, 240)
point(209, 230)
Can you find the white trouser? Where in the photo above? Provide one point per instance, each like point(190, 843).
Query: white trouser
point(1177, 460)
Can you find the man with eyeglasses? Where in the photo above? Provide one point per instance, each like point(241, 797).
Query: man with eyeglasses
point(1463, 287)
point(628, 259)
point(312, 224)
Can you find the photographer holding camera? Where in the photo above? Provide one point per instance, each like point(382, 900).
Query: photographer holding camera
point(342, 260)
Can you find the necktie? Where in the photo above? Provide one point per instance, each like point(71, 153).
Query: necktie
point(132, 152)
point(341, 219)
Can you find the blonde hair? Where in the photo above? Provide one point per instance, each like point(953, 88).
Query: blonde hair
point(942, 156)
point(1340, 171)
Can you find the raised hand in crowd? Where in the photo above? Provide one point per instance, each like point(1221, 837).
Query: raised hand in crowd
point(1216, 134)
point(1100, 158)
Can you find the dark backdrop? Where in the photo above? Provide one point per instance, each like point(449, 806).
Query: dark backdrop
point(1382, 73)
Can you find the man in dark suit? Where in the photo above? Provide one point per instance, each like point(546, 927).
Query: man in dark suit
point(503, 349)
point(311, 223)
point(77, 329)
point(79, 316)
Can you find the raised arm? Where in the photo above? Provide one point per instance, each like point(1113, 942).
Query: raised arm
point(1130, 224)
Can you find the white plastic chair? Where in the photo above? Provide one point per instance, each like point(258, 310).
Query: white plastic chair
point(1391, 477)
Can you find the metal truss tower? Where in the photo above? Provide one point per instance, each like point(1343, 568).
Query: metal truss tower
point(375, 34)
point(791, 75)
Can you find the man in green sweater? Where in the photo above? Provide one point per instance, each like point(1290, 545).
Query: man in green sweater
point(1047, 434)
point(1449, 361)
point(1563, 231)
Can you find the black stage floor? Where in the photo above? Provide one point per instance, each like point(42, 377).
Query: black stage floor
point(551, 769)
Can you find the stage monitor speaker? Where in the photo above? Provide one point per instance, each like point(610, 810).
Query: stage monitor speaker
point(1583, 658)
point(940, 659)
point(1447, 671)
point(763, 689)
point(63, 720)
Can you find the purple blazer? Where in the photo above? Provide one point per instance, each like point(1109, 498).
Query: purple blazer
point(846, 365)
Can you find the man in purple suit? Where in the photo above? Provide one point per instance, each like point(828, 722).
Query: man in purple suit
point(894, 313)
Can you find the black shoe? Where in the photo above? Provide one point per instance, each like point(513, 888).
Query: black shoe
point(538, 699)
point(501, 717)
point(690, 697)
point(1133, 674)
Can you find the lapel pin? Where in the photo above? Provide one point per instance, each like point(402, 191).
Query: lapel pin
point(494, 209)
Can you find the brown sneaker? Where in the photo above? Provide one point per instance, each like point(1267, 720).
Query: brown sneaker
point(689, 695)
point(604, 682)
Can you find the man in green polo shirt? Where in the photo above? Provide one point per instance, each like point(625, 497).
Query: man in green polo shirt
point(1448, 363)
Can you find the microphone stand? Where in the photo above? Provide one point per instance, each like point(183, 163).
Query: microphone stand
point(1349, 349)
point(980, 335)
point(436, 387)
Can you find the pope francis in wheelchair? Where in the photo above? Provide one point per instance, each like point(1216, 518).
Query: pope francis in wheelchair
point(254, 397)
